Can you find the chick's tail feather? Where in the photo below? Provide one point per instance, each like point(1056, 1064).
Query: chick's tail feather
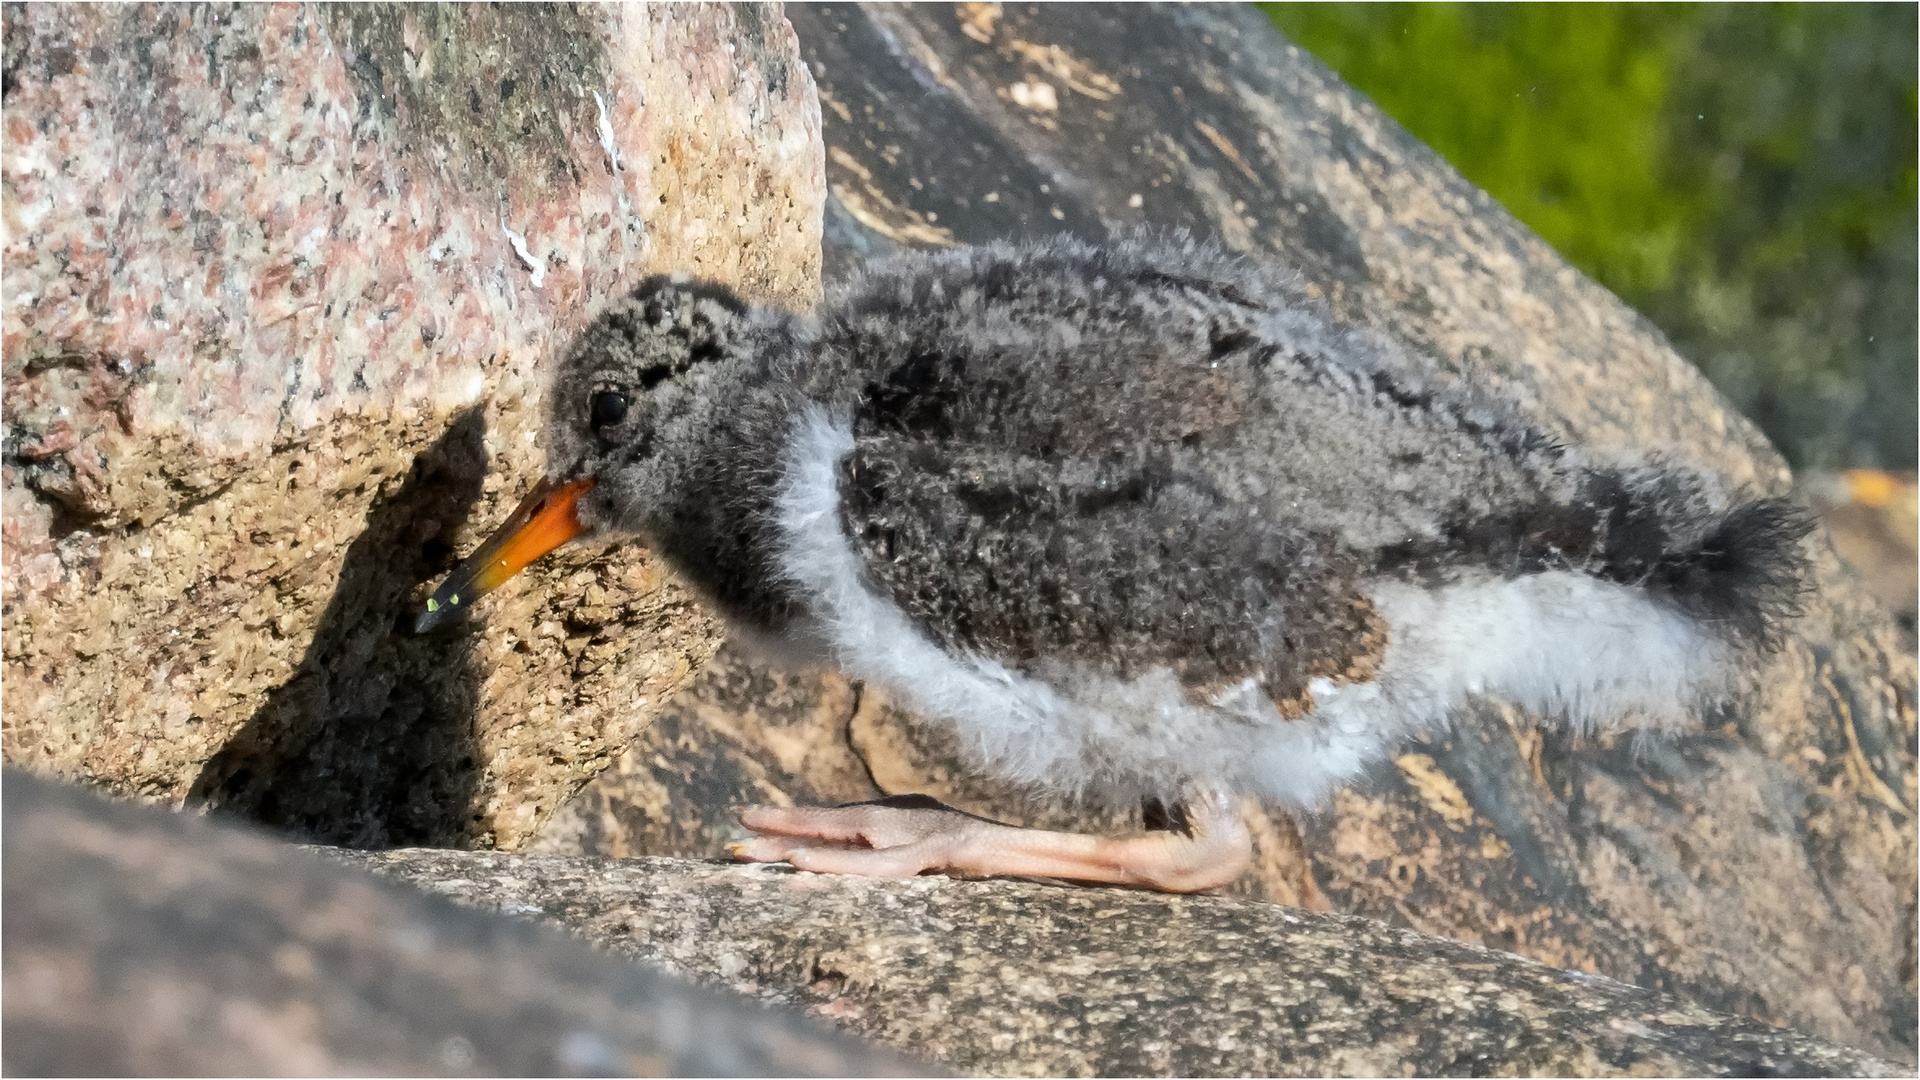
point(1741, 570)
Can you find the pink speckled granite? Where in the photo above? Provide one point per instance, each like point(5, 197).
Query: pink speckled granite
point(256, 258)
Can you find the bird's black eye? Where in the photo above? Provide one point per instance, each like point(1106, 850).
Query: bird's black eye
point(606, 407)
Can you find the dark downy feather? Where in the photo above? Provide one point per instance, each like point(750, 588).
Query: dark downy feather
point(1746, 575)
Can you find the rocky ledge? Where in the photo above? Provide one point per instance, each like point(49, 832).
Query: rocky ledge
point(143, 943)
point(139, 941)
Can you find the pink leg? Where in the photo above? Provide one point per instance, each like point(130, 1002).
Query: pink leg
point(879, 840)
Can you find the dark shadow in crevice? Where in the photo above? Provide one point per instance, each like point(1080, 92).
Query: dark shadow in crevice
point(371, 743)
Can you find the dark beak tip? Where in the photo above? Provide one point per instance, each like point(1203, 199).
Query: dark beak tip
point(430, 620)
point(544, 520)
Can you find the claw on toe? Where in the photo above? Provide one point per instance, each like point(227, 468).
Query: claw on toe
point(760, 849)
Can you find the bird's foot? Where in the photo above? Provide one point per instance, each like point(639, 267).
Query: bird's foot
point(902, 836)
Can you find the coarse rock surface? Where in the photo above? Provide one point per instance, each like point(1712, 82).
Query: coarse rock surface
point(1762, 863)
point(143, 943)
point(1014, 978)
point(281, 285)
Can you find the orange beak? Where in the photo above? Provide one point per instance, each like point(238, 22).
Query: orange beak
point(545, 520)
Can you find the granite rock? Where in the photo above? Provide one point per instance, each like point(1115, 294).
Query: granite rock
point(282, 283)
point(1761, 863)
point(143, 943)
point(1012, 978)
point(280, 286)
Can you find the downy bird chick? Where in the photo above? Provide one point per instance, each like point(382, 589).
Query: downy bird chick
point(1136, 522)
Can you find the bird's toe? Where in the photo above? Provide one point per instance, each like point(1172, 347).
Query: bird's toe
point(895, 862)
point(873, 825)
point(869, 839)
point(807, 822)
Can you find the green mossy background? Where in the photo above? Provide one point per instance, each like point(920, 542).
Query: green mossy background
point(1743, 174)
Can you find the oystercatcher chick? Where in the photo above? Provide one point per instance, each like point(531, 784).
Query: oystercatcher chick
point(1136, 522)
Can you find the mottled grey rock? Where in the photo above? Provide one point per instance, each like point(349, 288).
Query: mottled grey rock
point(139, 942)
point(1012, 978)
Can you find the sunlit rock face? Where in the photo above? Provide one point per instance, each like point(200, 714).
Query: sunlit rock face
point(279, 289)
point(282, 285)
